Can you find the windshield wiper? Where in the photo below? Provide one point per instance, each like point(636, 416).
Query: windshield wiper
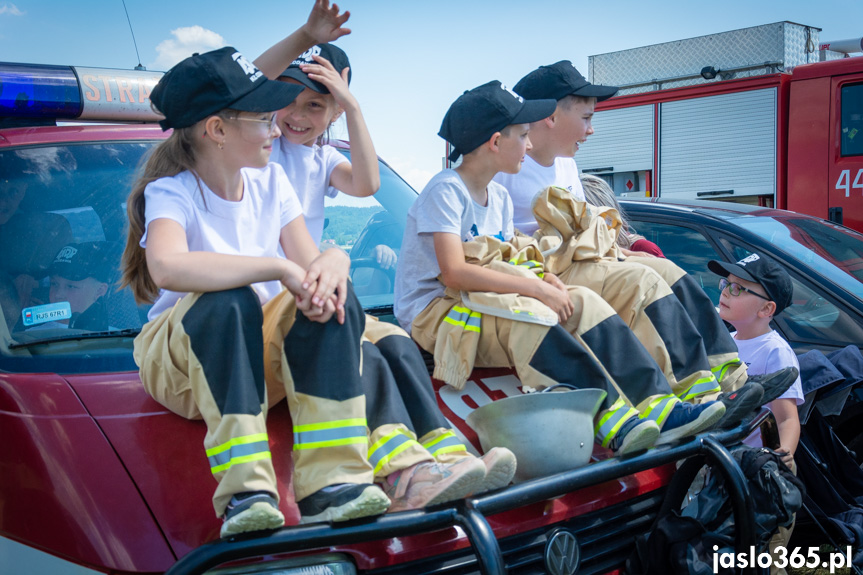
point(123, 333)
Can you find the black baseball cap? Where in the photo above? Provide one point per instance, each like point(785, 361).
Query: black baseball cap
point(203, 84)
point(335, 55)
point(559, 80)
point(80, 261)
point(761, 270)
point(479, 113)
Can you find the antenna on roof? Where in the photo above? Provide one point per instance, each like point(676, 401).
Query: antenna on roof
point(139, 66)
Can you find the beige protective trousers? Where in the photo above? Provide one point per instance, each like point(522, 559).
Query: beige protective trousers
point(593, 349)
point(209, 357)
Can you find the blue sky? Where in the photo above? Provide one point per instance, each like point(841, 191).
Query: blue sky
point(410, 60)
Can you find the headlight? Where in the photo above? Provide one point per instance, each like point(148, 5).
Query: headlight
point(328, 564)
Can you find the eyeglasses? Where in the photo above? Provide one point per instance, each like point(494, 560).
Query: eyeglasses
point(735, 289)
point(271, 123)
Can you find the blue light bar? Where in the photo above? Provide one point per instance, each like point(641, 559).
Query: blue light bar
point(38, 91)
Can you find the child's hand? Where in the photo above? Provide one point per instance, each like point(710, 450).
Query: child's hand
point(787, 458)
point(325, 23)
point(320, 314)
point(326, 74)
point(328, 276)
point(554, 294)
point(292, 278)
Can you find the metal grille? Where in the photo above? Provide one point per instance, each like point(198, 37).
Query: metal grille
point(605, 537)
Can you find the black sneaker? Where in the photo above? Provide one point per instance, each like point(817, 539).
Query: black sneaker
point(253, 511)
point(741, 404)
point(342, 502)
point(634, 435)
point(776, 383)
point(686, 420)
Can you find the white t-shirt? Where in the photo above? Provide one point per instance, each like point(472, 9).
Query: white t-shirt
point(531, 180)
point(249, 227)
point(765, 354)
point(309, 169)
point(445, 205)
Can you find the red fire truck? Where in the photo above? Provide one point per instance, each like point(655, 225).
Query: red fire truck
point(763, 115)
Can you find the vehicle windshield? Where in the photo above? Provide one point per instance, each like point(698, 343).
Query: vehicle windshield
point(62, 228)
point(833, 251)
point(371, 230)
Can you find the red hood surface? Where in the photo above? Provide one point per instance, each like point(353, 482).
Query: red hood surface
point(164, 455)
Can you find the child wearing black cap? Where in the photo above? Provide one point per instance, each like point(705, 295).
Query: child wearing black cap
point(585, 340)
point(79, 275)
point(754, 291)
point(79, 278)
point(215, 235)
point(322, 171)
point(673, 317)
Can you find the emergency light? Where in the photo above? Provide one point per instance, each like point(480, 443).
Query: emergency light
point(72, 92)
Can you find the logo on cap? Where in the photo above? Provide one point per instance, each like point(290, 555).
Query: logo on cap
point(748, 260)
point(307, 56)
point(514, 95)
point(66, 254)
point(249, 68)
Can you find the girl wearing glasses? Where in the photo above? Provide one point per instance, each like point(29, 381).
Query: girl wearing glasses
point(216, 234)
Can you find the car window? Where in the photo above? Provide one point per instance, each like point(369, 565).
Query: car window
point(852, 120)
point(65, 206)
point(371, 230)
point(810, 319)
point(688, 248)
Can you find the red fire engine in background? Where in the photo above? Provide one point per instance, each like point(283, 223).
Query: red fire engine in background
point(757, 116)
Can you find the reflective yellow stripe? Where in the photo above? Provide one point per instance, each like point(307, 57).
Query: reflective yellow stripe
point(244, 459)
point(658, 409)
point(330, 433)
point(438, 439)
point(722, 368)
point(448, 449)
point(387, 447)
point(329, 424)
point(700, 387)
point(445, 443)
point(331, 443)
point(237, 441)
point(464, 318)
point(614, 418)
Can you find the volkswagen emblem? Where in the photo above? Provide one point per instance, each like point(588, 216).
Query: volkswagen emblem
point(562, 553)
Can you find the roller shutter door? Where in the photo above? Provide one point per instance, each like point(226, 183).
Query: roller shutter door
point(719, 144)
point(623, 140)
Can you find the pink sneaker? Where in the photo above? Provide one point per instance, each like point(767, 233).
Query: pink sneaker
point(430, 483)
point(500, 468)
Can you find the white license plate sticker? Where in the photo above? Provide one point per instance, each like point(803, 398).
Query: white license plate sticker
point(45, 313)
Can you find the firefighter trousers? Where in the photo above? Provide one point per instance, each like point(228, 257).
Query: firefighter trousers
point(646, 303)
point(592, 349)
point(391, 442)
point(208, 357)
point(397, 359)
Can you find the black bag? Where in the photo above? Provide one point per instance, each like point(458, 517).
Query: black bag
point(683, 542)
